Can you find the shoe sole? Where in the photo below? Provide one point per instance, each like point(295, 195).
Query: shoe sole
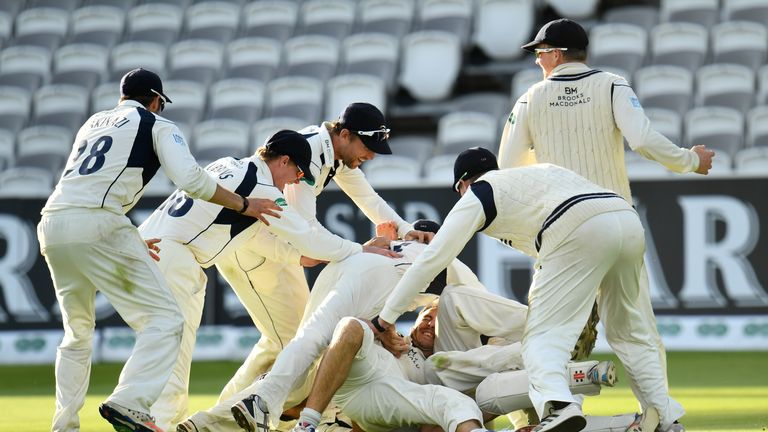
point(120, 422)
point(609, 378)
point(181, 427)
point(573, 424)
point(648, 422)
point(241, 419)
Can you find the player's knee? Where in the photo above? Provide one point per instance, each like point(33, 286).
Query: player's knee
point(79, 337)
point(349, 331)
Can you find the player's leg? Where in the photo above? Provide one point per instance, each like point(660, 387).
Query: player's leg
point(187, 282)
point(561, 297)
point(466, 314)
point(464, 370)
point(625, 325)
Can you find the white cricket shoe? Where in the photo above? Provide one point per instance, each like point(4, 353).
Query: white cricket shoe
point(252, 414)
point(646, 422)
point(604, 373)
point(187, 426)
point(567, 419)
point(127, 420)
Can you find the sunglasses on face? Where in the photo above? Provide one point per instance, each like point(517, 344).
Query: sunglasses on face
point(540, 51)
point(162, 100)
point(384, 133)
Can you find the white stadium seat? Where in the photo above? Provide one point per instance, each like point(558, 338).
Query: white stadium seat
point(343, 90)
point(502, 26)
point(430, 64)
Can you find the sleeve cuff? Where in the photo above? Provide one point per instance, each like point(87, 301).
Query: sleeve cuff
point(404, 229)
point(389, 316)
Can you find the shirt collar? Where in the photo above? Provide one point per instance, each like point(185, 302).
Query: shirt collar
point(326, 144)
point(133, 103)
point(569, 69)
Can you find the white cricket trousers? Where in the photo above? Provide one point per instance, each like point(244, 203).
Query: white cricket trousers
point(606, 251)
point(96, 250)
point(379, 398)
point(187, 282)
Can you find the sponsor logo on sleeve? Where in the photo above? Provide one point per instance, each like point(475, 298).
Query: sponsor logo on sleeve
point(179, 139)
point(635, 102)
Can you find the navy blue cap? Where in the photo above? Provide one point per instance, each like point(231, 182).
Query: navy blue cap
point(561, 33)
point(426, 225)
point(295, 146)
point(142, 82)
point(471, 162)
point(367, 122)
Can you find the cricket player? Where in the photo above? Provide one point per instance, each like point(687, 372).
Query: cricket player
point(90, 245)
point(275, 292)
point(195, 234)
point(585, 239)
point(578, 118)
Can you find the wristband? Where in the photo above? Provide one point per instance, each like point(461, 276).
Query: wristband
point(375, 322)
point(245, 205)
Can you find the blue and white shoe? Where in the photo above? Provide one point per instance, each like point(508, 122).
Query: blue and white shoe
point(566, 419)
point(603, 373)
point(648, 421)
point(303, 427)
point(127, 420)
point(252, 414)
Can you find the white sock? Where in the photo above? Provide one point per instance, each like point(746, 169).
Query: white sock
point(308, 415)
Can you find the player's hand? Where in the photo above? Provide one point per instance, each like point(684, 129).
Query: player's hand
point(705, 158)
point(381, 251)
point(380, 242)
point(153, 248)
point(260, 207)
point(393, 342)
point(310, 262)
point(387, 230)
point(419, 236)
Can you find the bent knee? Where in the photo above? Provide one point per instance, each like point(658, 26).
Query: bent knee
point(349, 331)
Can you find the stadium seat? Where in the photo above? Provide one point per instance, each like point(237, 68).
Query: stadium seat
point(415, 147)
point(26, 182)
point(752, 161)
point(14, 108)
point(374, 54)
point(757, 127)
point(155, 22)
point(438, 170)
point(297, 97)
point(101, 25)
point(392, 170)
point(212, 20)
point(311, 56)
point(124, 5)
point(620, 46)
point(82, 64)
point(188, 102)
point(237, 99)
point(391, 17)
point(45, 27)
point(64, 5)
point(702, 12)
point(131, 55)
point(762, 85)
point(502, 26)
point(452, 16)
point(332, 18)
point(719, 128)
point(668, 87)
point(343, 90)
point(6, 23)
point(44, 147)
point(430, 64)
point(740, 42)
point(254, 58)
point(640, 168)
point(105, 96)
point(7, 149)
point(640, 15)
point(461, 130)
point(679, 44)
point(728, 85)
point(266, 127)
point(523, 80)
point(64, 105)
point(11, 7)
point(24, 66)
point(574, 9)
point(746, 10)
point(197, 60)
point(274, 19)
point(494, 104)
point(666, 122)
point(214, 139)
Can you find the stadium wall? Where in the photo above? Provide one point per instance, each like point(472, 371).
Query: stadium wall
point(706, 255)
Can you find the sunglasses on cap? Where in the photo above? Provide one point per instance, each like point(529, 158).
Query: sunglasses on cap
point(540, 51)
point(162, 99)
point(384, 131)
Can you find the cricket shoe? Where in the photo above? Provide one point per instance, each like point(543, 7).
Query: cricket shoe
point(648, 421)
point(252, 414)
point(187, 426)
point(127, 420)
point(303, 427)
point(675, 427)
point(603, 373)
point(566, 419)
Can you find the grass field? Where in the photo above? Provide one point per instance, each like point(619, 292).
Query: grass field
point(720, 391)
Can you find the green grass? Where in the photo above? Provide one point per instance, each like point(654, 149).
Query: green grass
point(720, 391)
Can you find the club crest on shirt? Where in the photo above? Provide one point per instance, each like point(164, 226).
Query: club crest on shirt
point(179, 139)
point(511, 118)
point(281, 202)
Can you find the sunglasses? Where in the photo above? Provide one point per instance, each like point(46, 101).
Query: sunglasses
point(540, 51)
point(456, 186)
point(162, 99)
point(384, 131)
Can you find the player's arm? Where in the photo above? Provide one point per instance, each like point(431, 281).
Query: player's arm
point(466, 217)
point(274, 249)
point(516, 145)
point(642, 138)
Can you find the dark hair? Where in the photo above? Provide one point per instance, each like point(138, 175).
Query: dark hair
point(578, 55)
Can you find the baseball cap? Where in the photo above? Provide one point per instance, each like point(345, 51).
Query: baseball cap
point(367, 122)
point(471, 162)
point(142, 82)
point(295, 146)
point(426, 225)
point(561, 33)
